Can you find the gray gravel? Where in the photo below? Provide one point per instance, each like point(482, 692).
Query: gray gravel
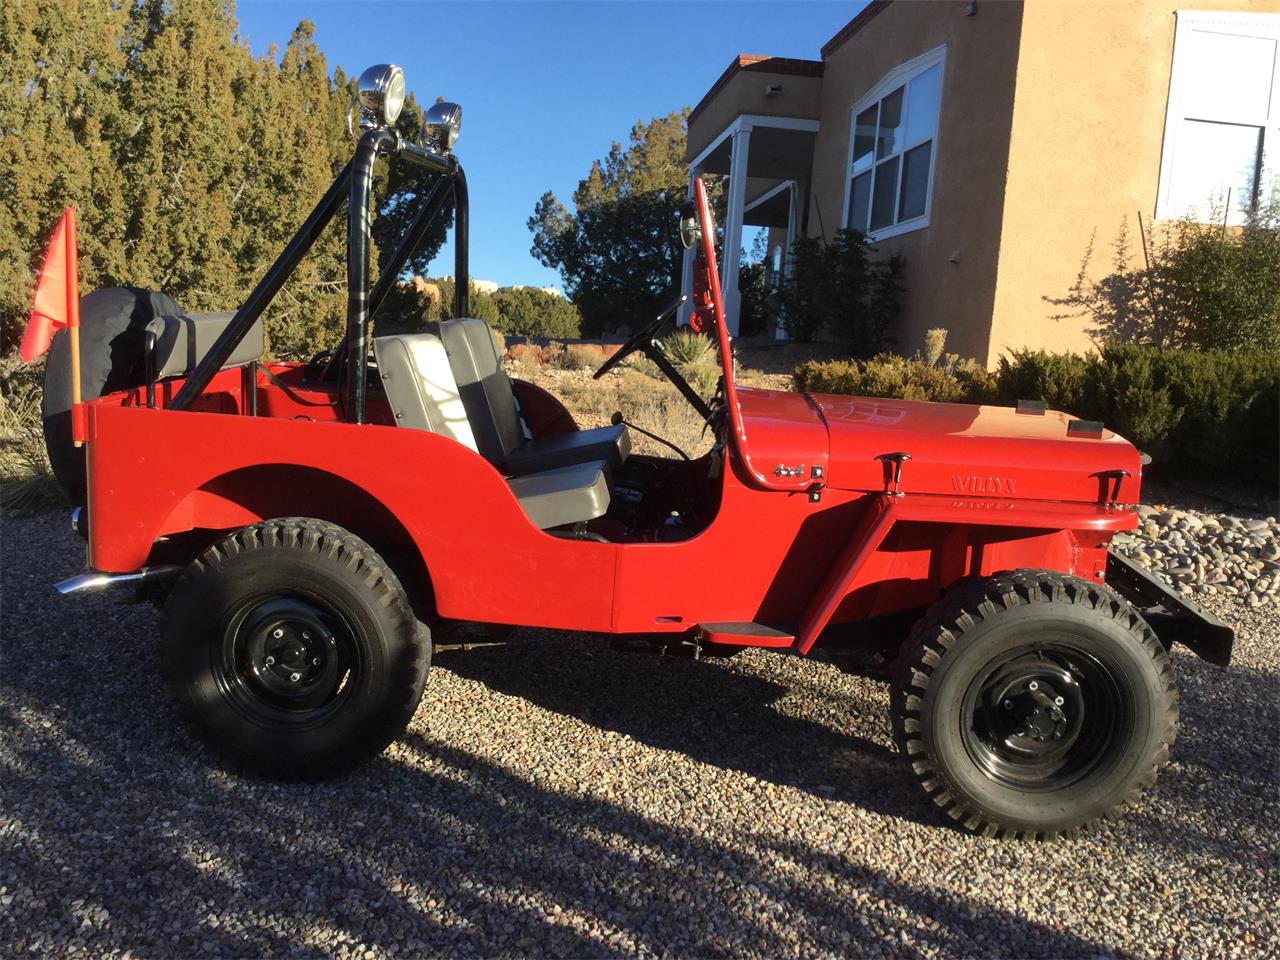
point(553, 797)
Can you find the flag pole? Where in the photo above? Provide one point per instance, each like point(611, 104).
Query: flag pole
point(73, 312)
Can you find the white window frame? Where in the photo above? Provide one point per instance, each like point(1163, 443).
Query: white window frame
point(1244, 24)
point(900, 76)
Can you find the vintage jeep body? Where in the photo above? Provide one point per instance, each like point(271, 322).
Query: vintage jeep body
point(306, 527)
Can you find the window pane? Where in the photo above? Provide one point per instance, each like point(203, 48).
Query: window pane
point(884, 193)
point(1226, 77)
point(922, 108)
point(864, 139)
point(859, 201)
point(1215, 164)
point(890, 137)
point(915, 181)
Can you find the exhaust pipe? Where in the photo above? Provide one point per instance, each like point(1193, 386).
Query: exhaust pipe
point(94, 581)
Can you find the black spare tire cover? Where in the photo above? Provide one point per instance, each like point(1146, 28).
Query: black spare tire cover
point(111, 337)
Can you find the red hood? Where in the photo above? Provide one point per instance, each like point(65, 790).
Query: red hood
point(969, 450)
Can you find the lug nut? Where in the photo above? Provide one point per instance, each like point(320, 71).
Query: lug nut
point(295, 677)
point(1059, 701)
point(270, 661)
point(277, 633)
point(315, 662)
point(1033, 685)
point(1057, 735)
point(1008, 704)
point(305, 635)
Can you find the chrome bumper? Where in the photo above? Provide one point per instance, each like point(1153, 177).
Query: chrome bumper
point(93, 581)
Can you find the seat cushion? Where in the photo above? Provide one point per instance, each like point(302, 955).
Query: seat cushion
point(566, 495)
point(610, 444)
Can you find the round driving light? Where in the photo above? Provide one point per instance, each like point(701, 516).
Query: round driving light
point(441, 126)
point(380, 91)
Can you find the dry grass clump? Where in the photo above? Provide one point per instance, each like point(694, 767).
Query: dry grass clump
point(655, 405)
point(26, 478)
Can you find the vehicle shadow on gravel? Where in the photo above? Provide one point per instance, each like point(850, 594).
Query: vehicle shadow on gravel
point(710, 711)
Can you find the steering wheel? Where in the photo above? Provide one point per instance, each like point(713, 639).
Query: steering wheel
point(640, 338)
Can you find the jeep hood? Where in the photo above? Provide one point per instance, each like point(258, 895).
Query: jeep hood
point(973, 451)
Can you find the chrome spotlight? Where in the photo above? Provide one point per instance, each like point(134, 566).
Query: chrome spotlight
point(441, 126)
point(380, 94)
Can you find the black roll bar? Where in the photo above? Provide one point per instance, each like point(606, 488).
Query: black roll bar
point(263, 293)
point(354, 184)
point(367, 151)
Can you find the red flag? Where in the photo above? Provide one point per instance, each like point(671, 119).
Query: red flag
point(57, 303)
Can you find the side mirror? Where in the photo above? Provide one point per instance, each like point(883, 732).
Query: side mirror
point(688, 225)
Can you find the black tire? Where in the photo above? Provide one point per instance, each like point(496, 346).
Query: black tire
point(1034, 704)
point(112, 322)
point(291, 650)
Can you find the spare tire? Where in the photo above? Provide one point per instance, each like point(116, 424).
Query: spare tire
point(112, 322)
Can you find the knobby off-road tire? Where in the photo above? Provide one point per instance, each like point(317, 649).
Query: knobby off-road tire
point(1006, 758)
point(291, 650)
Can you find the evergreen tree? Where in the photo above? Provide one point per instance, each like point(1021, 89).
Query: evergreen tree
point(191, 161)
point(619, 252)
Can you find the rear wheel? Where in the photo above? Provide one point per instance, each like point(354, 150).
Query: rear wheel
point(1034, 704)
point(291, 649)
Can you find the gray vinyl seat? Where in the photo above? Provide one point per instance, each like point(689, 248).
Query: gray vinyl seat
point(182, 341)
point(418, 379)
point(495, 420)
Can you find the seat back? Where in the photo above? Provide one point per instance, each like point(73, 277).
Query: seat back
point(420, 386)
point(484, 388)
point(182, 341)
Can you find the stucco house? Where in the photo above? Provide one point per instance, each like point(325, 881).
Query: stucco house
point(987, 142)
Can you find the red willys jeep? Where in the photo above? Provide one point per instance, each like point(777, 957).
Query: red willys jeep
point(306, 526)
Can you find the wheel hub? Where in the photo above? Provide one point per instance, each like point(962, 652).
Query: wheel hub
point(289, 654)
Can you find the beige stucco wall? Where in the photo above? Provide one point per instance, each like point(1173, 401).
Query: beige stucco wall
point(1088, 125)
point(971, 158)
point(744, 93)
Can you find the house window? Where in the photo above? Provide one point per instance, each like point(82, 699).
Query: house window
point(892, 147)
point(1222, 126)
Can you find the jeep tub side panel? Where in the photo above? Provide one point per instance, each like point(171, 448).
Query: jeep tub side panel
point(156, 472)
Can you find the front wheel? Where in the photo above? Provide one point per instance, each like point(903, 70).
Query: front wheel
point(1034, 704)
point(290, 649)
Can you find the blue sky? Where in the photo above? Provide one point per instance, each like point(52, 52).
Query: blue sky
point(545, 87)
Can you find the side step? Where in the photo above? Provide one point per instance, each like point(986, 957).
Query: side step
point(745, 634)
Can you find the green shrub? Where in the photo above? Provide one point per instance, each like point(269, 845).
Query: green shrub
point(1200, 286)
point(840, 289)
point(1192, 410)
point(886, 375)
point(530, 312)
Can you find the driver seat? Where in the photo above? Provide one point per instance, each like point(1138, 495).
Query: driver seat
point(485, 391)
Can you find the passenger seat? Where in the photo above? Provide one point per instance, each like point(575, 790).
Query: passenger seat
point(495, 420)
point(420, 387)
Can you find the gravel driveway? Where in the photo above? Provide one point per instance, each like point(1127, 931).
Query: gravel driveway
point(553, 797)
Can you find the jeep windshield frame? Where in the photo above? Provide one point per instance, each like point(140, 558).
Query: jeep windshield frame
point(353, 184)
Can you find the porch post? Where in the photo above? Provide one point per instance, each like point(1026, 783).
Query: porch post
point(686, 269)
point(793, 233)
point(732, 255)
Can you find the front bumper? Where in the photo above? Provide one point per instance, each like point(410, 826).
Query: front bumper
point(1173, 617)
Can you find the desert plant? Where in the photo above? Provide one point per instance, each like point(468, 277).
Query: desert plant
point(956, 380)
point(25, 475)
point(935, 343)
point(686, 346)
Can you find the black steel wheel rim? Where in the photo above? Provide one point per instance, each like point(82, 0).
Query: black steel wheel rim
point(288, 660)
point(1045, 716)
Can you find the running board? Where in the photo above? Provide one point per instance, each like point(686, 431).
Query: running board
point(745, 634)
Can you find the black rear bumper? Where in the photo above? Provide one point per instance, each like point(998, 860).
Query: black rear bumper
point(1173, 617)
